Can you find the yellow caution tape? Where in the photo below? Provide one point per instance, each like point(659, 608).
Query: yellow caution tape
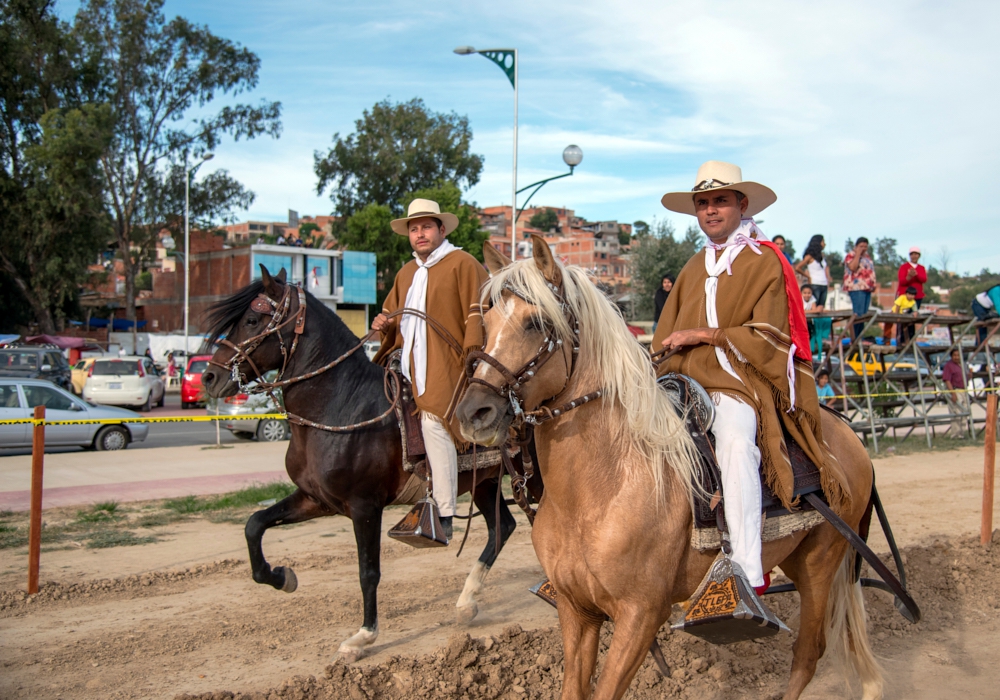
point(133, 421)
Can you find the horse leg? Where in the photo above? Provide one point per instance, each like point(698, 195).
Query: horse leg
point(296, 508)
point(485, 499)
point(581, 633)
point(367, 519)
point(634, 633)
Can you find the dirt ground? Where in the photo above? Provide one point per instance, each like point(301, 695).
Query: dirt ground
point(182, 617)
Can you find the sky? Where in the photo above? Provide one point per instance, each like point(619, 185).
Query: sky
point(867, 119)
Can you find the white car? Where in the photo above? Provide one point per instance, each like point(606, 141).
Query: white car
point(124, 381)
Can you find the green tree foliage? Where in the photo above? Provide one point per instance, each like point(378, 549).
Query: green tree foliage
point(50, 142)
point(160, 78)
point(655, 254)
point(885, 252)
point(396, 149)
point(369, 229)
point(544, 220)
point(640, 228)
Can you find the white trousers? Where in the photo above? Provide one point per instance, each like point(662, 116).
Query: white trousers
point(735, 431)
point(443, 459)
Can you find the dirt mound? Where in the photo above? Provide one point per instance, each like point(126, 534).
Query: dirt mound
point(954, 581)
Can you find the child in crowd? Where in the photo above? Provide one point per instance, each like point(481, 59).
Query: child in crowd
point(824, 390)
point(820, 325)
point(906, 303)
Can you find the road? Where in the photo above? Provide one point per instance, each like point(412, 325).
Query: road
point(160, 434)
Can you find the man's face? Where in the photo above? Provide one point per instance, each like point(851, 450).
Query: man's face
point(719, 212)
point(954, 356)
point(667, 284)
point(914, 257)
point(425, 236)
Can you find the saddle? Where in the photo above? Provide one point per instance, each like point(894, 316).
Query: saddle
point(694, 404)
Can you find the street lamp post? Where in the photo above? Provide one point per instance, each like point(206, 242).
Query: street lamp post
point(507, 60)
point(572, 156)
point(187, 247)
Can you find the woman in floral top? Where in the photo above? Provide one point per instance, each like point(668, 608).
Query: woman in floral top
point(859, 279)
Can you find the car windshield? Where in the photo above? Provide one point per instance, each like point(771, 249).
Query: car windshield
point(18, 360)
point(198, 366)
point(125, 368)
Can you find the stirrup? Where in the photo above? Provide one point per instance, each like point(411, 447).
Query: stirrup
point(725, 608)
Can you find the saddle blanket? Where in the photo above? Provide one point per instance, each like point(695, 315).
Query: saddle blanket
point(414, 462)
point(772, 528)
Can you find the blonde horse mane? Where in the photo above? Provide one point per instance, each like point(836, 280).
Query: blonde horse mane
point(609, 359)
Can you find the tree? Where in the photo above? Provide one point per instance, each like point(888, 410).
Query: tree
point(640, 228)
point(885, 252)
point(369, 229)
point(50, 141)
point(544, 220)
point(655, 254)
point(396, 149)
point(153, 73)
point(944, 256)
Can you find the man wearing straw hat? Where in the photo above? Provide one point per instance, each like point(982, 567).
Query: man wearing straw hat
point(735, 314)
point(442, 281)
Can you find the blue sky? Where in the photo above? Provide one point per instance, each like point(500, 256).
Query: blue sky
point(875, 119)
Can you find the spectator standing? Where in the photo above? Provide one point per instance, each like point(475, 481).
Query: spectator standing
point(824, 390)
point(779, 241)
point(912, 274)
point(859, 280)
point(985, 306)
point(819, 328)
point(958, 401)
point(815, 267)
point(660, 298)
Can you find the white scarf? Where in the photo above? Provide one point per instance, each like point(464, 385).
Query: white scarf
point(734, 245)
point(414, 329)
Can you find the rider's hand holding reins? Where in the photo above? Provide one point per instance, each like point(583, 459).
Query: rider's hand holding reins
point(381, 323)
point(691, 336)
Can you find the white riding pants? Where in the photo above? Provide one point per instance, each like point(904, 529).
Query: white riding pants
point(735, 431)
point(443, 459)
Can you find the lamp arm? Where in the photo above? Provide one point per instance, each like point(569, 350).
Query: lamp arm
point(537, 185)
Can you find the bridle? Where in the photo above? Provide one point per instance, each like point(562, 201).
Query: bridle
point(514, 381)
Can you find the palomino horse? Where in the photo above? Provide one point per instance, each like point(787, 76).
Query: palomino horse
point(355, 473)
point(613, 528)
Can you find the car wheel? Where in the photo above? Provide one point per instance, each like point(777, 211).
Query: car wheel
point(148, 406)
point(112, 437)
point(163, 398)
point(272, 430)
point(243, 434)
point(185, 405)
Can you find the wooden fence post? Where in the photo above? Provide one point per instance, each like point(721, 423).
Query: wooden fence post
point(990, 452)
point(35, 527)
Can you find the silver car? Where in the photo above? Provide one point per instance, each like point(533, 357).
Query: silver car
point(18, 398)
point(241, 410)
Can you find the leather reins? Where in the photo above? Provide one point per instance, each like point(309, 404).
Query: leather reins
point(277, 311)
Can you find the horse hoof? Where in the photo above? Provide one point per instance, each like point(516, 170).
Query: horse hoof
point(291, 580)
point(350, 654)
point(466, 613)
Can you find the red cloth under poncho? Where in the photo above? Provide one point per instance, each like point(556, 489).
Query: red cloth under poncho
point(797, 326)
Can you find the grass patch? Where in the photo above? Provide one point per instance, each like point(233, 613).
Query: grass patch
point(11, 537)
point(917, 444)
point(106, 506)
point(159, 519)
point(244, 498)
point(117, 538)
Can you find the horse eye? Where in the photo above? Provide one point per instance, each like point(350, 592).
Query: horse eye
point(251, 320)
point(533, 325)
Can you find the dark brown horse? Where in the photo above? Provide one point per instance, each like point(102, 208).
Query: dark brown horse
point(356, 473)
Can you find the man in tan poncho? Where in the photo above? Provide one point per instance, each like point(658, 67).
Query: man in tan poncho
point(443, 281)
point(730, 312)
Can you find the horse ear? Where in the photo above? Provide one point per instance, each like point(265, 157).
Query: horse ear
point(544, 260)
point(495, 260)
point(270, 283)
point(281, 277)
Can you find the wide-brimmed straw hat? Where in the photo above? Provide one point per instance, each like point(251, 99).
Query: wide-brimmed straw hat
point(420, 208)
point(716, 175)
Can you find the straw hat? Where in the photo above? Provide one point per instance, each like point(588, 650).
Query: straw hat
point(420, 208)
point(716, 175)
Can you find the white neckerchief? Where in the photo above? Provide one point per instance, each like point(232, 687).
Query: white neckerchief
point(715, 266)
point(414, 329)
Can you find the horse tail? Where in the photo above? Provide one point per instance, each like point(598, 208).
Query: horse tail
point(847, 630)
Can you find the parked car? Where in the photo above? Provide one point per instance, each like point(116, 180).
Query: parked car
point(243, 407)
point(22, 361)
point(124, 381)
point(80, 371)
point(18, 398)
point(192, 392)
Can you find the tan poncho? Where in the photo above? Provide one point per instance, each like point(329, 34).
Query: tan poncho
point(452, 299)
point(752, 307)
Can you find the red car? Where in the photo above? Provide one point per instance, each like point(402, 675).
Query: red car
point(192, 392)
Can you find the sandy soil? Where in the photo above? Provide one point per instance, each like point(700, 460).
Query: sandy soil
point(182, 617)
